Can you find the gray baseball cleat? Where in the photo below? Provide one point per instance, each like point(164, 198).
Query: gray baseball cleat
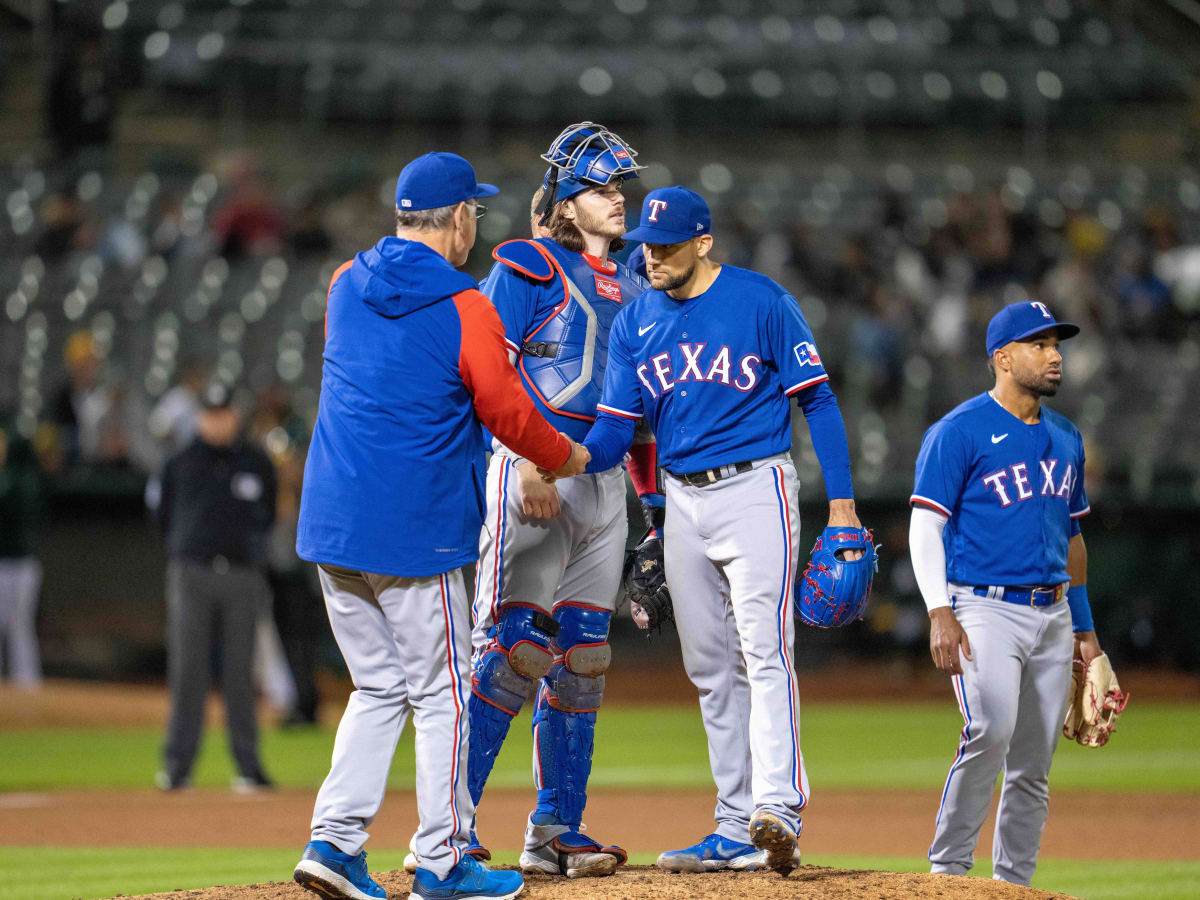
point(557, 849)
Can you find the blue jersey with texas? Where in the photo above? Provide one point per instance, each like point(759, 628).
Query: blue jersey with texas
point(712, 374)
point(558, 307)
point(1012, 493)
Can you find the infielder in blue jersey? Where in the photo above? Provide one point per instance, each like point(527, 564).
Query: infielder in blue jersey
point(997, 549)
point(712, 357)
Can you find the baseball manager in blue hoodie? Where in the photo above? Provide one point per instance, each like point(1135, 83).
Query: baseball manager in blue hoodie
point(392, 506)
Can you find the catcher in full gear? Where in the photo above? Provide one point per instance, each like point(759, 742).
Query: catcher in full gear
point(551, 555)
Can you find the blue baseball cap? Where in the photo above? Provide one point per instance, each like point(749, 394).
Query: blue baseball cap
point(672, 215)
point(1019, 320)
point(436, 180)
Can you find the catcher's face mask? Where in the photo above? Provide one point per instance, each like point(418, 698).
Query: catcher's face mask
point(584, 155)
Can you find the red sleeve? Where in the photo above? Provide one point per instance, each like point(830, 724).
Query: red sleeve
point(332, 281)
point(500, 400)
point(643, 468)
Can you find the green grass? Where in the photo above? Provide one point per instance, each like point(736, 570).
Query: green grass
point(901, 745)
point(58, 873)
point(878, 746)
point(54, 873)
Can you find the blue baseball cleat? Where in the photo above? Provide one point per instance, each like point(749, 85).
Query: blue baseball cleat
point(469, 880)
point(714, 853)
point(474, 848)
point(326, 870)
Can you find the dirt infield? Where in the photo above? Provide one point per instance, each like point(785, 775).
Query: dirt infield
point(79, 704)
point(647, 883)
point(873, 823)
point(1158, 826)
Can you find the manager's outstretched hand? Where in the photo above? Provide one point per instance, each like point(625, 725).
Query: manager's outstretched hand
point(574, 465)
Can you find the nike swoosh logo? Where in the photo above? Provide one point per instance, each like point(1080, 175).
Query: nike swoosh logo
point(642, 331)
point(996, 440)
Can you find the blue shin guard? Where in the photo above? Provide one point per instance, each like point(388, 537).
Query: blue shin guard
point(564, 748)
point(564, 719)
point(489, 728)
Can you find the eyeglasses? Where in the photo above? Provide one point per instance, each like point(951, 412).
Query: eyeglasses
point(480, 210)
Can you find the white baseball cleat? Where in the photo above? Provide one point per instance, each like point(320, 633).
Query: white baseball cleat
point(410, 858)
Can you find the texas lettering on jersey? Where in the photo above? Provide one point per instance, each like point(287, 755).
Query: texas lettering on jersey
point(713, 374)
point(656, 376)
point(1010, 491)
point(1012, 484)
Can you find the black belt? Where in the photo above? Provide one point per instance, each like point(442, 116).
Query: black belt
point(1026, 595)
point(712, 476)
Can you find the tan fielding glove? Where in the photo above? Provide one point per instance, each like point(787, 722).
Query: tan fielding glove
point(1074, 720)
point(1096, 704)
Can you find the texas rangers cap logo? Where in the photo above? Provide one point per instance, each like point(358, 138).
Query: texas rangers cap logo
point(655, 206)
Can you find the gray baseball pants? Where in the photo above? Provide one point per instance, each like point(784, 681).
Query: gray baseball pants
point(1013, 698)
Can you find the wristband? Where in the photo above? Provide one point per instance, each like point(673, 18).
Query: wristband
point(1081, 610)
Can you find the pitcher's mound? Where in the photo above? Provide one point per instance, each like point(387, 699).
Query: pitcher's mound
point(650, 883)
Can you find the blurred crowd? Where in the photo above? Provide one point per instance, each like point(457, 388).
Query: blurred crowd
point(897, 277)
point(889, 276)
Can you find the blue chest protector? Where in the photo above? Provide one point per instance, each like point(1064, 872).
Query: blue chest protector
point(563, 358)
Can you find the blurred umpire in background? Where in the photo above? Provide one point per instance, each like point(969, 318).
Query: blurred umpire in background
point(216, 509)
point(20, 571)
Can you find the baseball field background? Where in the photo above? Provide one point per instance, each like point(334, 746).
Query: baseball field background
point(79, 817)
point(179, 180)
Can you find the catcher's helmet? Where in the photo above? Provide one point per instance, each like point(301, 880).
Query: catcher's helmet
point(584, 155)
point(834, 591)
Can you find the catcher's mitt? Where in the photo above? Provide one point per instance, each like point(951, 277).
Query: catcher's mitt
point(1095, 702)
point(645, 581)
point(834, 591)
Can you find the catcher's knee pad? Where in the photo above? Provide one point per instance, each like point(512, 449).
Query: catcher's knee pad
point(525, 634)
point(507, 669)
point(583, 638)
point(504, 676)
point(573, 693)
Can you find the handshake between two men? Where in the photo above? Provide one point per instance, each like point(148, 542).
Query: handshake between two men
point(575, 464)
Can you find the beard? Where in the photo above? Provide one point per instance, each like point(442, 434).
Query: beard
point(604, 227)
point(672, 283)
point(1038, 384)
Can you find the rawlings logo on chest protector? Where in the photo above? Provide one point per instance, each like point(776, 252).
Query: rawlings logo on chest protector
point(608, 288)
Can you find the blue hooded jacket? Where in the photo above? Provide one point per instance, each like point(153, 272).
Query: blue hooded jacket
point(395, 474)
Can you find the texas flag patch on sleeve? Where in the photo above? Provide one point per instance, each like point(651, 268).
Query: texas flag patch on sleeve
point(608, 288)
